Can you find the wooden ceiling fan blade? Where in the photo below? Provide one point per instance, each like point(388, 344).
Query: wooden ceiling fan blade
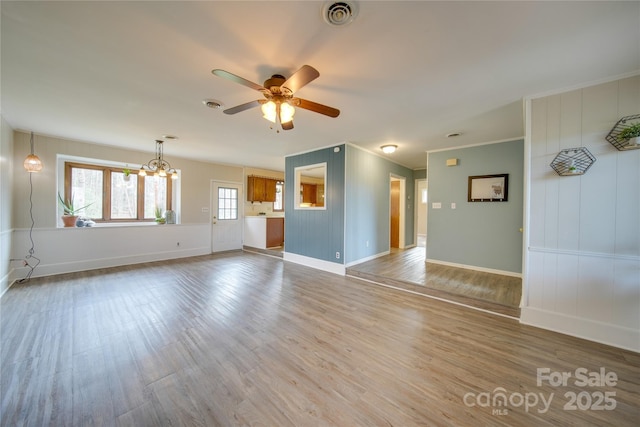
point(315, 107)
point(300, 78)
point(287, 126)
point(230, 76)
point(242, 107)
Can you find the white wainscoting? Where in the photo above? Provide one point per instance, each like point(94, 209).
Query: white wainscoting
point(64, 250)
point(587, 295)
point(7, 267)
point(582, 265)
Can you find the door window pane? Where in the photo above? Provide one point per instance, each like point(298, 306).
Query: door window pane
point(227, 203)
point(124, 196)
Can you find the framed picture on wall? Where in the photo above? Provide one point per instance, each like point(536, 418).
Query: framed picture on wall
point(488, 188)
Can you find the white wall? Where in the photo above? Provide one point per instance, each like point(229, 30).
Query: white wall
point(74, 249)
point(6, 189)
point(582, 261)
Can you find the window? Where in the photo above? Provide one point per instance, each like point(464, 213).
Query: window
point(113, 195)
point(278, 205)
point(227, 203)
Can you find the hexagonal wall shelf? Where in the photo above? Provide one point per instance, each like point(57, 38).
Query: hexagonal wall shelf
point(573, 161)
point(613, 136)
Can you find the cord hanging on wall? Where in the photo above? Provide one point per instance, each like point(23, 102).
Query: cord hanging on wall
point(32, 164)
point(573, 161)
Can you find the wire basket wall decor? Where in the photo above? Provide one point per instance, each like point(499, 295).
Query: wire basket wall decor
point(614, 135)
point(573, 161)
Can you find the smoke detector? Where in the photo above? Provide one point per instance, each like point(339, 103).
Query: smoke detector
point(339, 13)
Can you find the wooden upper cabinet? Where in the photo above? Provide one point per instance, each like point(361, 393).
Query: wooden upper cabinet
point(309, 192)
point(260, 189)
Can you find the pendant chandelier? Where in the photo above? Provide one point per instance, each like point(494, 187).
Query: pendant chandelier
point(158, 166)
point(32, 163)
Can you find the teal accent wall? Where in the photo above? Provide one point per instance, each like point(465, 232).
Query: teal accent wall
point(368, 204)
point(317, 234)
point(479, 234)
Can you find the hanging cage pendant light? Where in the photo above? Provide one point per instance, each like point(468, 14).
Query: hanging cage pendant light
point(32, 163)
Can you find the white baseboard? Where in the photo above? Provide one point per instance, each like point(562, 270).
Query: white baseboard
point(476, 268)
point(92, 264)
point(369, 258)
point(604, 333)
point(318, 264)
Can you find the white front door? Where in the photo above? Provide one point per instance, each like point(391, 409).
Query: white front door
point(226, 216)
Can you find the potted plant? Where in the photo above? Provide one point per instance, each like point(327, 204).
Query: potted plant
point(631, 134)
point(160, 219)
point(70, 211)
point(127, 173)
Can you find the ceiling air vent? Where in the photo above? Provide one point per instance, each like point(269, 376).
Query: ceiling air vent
point(338, 13)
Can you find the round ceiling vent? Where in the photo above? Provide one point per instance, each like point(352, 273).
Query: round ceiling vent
point(338, 13)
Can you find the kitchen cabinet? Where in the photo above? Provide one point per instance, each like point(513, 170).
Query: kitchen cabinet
point(261, 189)
point(263, 232)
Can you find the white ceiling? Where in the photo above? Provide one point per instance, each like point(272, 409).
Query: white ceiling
point(407, 73)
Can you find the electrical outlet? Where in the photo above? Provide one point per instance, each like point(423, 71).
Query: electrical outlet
point(337, 255)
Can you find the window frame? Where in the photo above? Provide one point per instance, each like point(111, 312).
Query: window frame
point(106, 191)
point(279, 183)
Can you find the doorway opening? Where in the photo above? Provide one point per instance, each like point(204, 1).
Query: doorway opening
point(421, 212)
point(397, 213)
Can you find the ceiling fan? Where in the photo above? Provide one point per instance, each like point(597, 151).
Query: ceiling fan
point(279, 103)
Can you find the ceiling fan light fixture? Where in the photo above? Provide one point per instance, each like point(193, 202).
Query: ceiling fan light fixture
point(389, 148)
point(269, 111)
point(286, 112)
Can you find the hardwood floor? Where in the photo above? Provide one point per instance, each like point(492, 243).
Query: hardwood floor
point(406, 269)
point(246, 339)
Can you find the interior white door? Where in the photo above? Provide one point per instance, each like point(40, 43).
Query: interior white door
point(226, 216)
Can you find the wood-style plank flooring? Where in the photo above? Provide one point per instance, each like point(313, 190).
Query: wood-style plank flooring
point(246, 339)
point(406, 269)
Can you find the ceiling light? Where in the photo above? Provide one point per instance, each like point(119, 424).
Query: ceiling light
point(159, 166)
point(389, 148)
point(269, 111)
point(286, 112)
point(32, 163)
point(212, 103)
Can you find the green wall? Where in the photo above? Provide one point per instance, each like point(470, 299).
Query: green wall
point(476, 234)
point(368, 204)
